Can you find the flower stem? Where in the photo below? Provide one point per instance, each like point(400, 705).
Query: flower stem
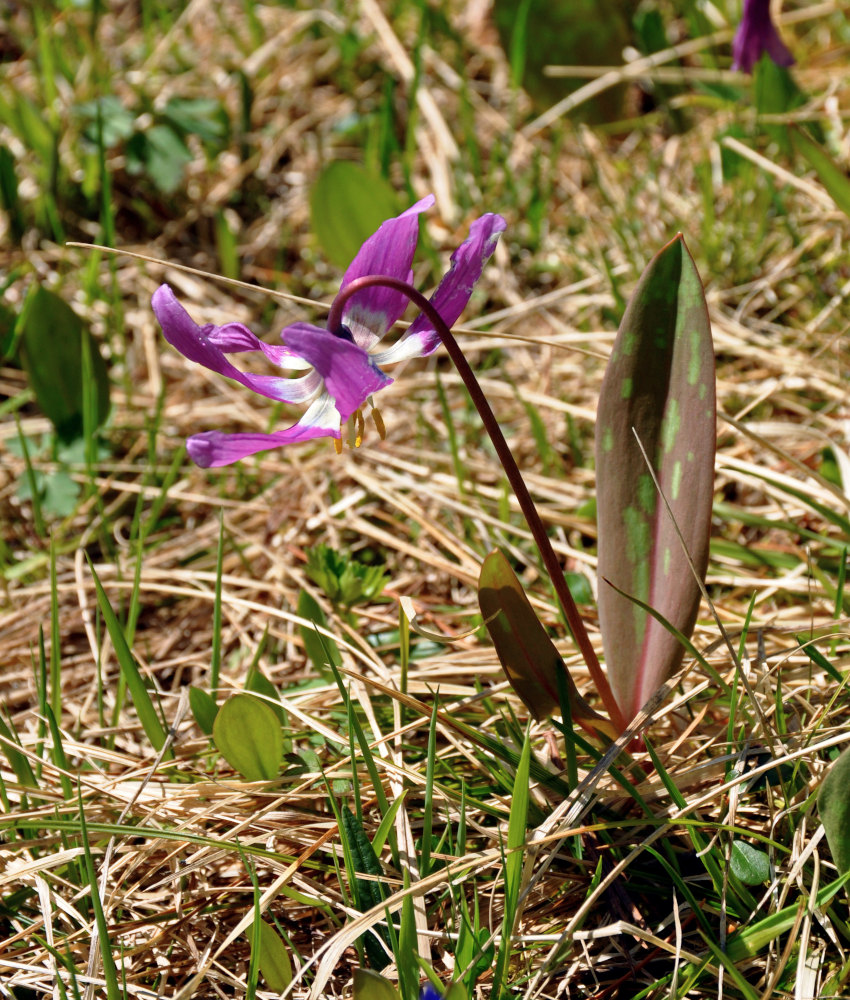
point(503, 451)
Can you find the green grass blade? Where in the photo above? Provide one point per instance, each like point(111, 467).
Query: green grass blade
point(148, 715)
point(110, 972)
point(428, 806)
point(55, 639)
point(215, 656)
point(514, 859)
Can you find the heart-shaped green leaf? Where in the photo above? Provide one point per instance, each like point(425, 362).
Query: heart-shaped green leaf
point(527, 654)
point(248, 735)
point(834, 810)
point(657, 399)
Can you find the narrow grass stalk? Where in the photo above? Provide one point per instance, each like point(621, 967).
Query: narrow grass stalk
point(514, 857)
point(110, 972)
point(215, 658)
point(32, 482)
point(427, 812)
point(148, 715)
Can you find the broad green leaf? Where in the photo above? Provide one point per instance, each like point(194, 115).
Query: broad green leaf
point(347, 205)
point(749, 864)
point(204, 708)
point(248, 736)
point(275, 963)
point(833, 178)
point(51, 348)
point(659, 389)
point(527, 654)
point(539, 33)
point(369, 985)
point(834, 810)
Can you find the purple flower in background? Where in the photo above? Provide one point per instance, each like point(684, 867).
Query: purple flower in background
point(429, 992)
point(757, 35)
point(344, 369)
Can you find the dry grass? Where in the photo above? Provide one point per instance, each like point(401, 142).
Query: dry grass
point(175, 842)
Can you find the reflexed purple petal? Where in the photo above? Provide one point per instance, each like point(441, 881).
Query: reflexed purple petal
point(213, 448)
point(389, 251)
point(454, 290)
point(350, 374)
point(197, 343)
point(234, 338)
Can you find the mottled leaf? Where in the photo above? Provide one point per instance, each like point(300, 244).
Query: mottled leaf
point(834, 810)
point(248, 736)
point(527, 654)
point(370, 891)
point(659, 388)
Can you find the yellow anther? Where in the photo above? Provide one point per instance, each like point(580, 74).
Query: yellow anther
point(361, 428)
point(379, 423)
point(338, 444)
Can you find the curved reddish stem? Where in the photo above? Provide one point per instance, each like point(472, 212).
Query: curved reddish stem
point(491, 425)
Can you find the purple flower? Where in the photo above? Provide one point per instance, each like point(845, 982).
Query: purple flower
point(344, 369)
point(429, 992)
point(757, 35)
